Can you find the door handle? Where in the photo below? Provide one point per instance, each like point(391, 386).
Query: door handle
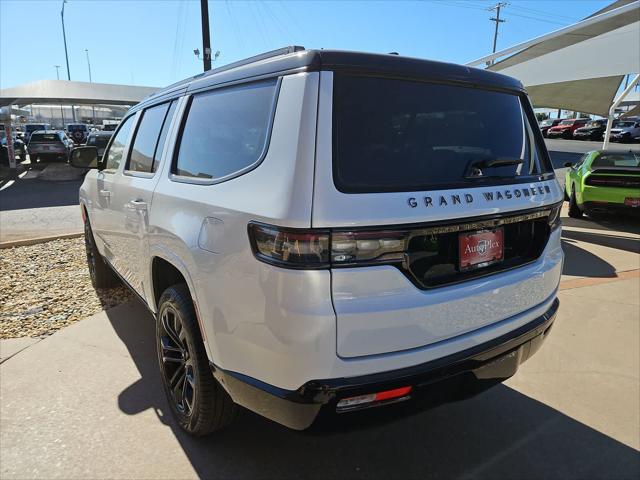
point(138, 204)
point(105, 193)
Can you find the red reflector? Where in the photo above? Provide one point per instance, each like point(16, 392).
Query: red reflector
point(398, 392)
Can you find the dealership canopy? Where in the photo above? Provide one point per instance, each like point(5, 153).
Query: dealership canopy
point(579, 67)
point(76, 93)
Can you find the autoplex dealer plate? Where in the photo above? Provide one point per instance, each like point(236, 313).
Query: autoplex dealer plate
point(481, 248)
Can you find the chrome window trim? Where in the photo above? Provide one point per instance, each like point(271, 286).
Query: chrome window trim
point(140, 113)
point(214, 181)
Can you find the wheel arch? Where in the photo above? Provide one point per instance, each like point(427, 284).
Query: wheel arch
point(167, 270)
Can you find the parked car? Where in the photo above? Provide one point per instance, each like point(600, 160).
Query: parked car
point(29, 128)
point(602, 181)
point(545, 125)
point(626, 131)
point(593, 130)
point(307, 250)
point(49, 144)
point(99, 140)
point(566, 128)
point(18, 145)
point(78, 132)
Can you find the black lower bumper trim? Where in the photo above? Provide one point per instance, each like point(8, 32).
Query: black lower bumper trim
point(481, 366)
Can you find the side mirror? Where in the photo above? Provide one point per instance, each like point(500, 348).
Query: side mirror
point(84, 157)
point(568, 165)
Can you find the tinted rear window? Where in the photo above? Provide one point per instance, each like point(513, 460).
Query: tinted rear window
point(99, 141)
point(44, 137)
point(629, 159)
point(399, 135)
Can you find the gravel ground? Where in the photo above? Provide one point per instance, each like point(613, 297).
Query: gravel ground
point(46, 287)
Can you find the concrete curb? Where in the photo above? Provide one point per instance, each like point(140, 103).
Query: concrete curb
point(34, 241)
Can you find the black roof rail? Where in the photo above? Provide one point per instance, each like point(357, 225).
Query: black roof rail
point(256, 58)
point(239, 63)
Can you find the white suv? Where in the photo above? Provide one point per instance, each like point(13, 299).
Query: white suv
point(326, 231)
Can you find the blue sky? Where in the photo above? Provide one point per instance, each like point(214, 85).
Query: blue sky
point(151, 42)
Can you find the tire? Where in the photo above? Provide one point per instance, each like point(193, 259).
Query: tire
point(566, 197)
point(34, 159)
point(574, 209)
point(101, 274)
point(198, 402)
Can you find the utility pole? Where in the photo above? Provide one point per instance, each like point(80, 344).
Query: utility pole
point(206, 41)
point(498, 21)
point(66, 54)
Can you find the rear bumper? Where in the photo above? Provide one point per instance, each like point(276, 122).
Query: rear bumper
point(620, 208)
point(443, 379)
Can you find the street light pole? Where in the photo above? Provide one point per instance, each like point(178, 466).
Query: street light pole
point(88, 64)
point(66, 53)
point(93, 108)
point(61, 110)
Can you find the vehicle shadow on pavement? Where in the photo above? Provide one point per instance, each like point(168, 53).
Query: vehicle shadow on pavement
point(499, 434)
point(606, 240)
point(605, 223)
point(582, 263)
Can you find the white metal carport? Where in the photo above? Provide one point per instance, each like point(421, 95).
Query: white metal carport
point(579, 67)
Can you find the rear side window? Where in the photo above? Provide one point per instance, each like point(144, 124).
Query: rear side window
point(226, 131)
point(401, 135)
point(149, 138)
point(114, 156)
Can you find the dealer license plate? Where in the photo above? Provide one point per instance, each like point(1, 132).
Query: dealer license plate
point(481, 248)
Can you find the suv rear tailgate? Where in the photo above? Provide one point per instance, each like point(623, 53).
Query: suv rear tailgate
point(382, 308)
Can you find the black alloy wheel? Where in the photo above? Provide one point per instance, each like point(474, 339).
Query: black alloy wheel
point(101, 274)
point(199, 404)
point(176, 361)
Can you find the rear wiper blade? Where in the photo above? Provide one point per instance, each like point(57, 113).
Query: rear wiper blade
point(474, 169)
point(497, 162)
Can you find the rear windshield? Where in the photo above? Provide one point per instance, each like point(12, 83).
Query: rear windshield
point(99, 141)
point(75, 128)
point(400, 135)
point(44, 137)
point(33, 128)
point(623, 159)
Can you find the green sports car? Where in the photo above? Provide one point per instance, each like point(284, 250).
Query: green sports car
point(604, 180)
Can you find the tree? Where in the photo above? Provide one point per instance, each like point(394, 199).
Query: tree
point(540, 116)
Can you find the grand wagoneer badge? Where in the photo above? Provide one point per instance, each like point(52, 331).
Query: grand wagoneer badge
point(468, 198)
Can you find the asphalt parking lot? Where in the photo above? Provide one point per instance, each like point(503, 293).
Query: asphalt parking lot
point(87, 402)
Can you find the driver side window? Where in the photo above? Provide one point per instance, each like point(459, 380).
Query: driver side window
point(113, 157)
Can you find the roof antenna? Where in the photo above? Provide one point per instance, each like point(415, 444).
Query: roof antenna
point(394, 53)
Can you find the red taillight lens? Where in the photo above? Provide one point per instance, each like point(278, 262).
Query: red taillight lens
point(290, 248)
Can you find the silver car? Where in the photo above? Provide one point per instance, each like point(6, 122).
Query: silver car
point(326, 231)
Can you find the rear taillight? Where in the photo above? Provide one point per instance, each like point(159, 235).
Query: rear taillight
point(554, 217)
point(291, 248)
point(322, 248)
point(368, 247)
